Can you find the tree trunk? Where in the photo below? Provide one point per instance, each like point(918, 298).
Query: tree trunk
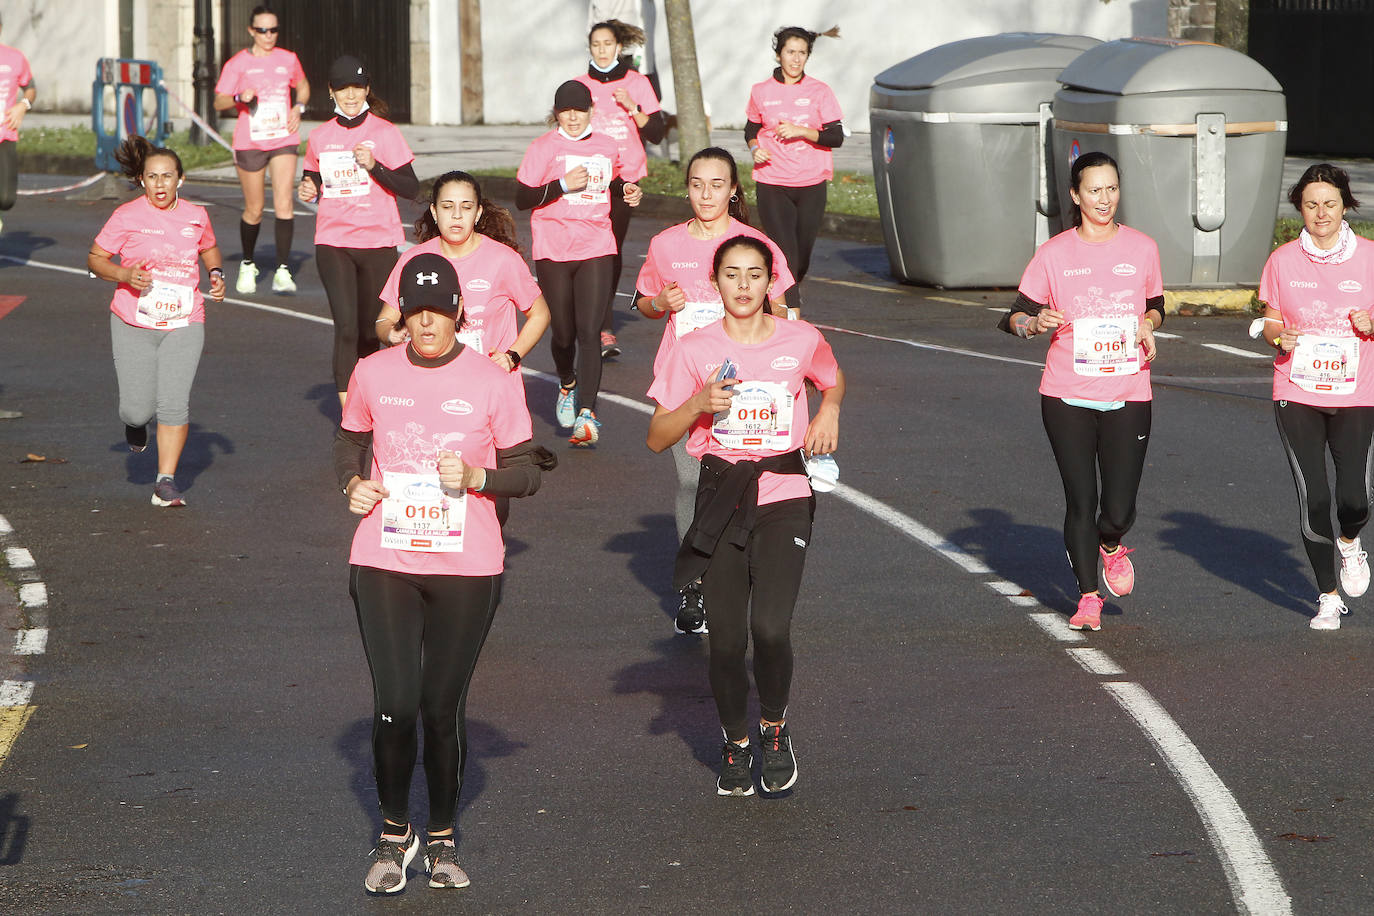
point(1233, 24)
point(470, 49)
point(692, 132)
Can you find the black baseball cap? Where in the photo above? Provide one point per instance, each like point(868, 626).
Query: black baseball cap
point(428, 281)
point(348, 71)
point(572, 94)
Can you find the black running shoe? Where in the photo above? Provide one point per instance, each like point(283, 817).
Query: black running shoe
point(736, 770)
point(779, 763)
point(691, 613)
point(136, 436)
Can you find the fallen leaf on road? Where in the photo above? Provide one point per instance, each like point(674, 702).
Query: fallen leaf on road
point(31, 458)
point(77, 747)
point(1306, 838)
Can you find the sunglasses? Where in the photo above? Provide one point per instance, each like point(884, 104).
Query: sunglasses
point(268, 31)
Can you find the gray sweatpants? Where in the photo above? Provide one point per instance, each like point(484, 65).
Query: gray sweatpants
point(155, 370)
point(688, 473)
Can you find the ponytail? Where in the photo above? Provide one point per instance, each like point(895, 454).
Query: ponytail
point(133, 154)
point(625, 34)
point(783, 35)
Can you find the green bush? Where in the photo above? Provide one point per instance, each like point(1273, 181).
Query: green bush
point(79, 142)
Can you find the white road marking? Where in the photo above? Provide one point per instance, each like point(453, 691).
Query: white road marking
point(18, 558)
point(1237, 351)
point(1167, 336)
point(1003, 587)
point(5, 526)
point(31, 642)
point(936, 347)
point(58, 267)
point(33, 595)
point(15, 693)
point(1057, 626)
point(1254, 882)
point(1095, 661)
point(953, 301)
point(868, 286)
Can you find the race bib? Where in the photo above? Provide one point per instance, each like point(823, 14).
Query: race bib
point(1106, 346)
point(420, 516)
point(342, 175)
point(472, 338)
point(268, 121)
point(1325, 365)
point(598, 180)
point(760, 417)
point(165, 305)
point(695, 315)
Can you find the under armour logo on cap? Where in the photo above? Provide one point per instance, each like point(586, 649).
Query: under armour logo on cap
point(429, 281)
point(422, 279)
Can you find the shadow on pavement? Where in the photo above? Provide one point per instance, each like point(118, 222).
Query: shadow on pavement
point(199, 454)
point(1032, 556)
point(869, 260)
point(327, 402)
point(14, 830)
point(22, 245)
point(1253, 560)
point(686, 708)
point(651, 550)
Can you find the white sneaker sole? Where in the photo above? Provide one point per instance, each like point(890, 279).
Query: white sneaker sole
point(411, 852)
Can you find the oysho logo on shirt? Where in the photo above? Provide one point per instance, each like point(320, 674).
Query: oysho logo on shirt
point(1302, 284)
point(686, 265)
point(389, 400)
point(1124, 270)
point(1349, 286)
point(785, 363)
point(456, 406)
point(479, 285)
point(1079, 272)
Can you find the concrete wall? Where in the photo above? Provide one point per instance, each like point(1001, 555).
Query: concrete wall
point(62, 41)
point(531, 46)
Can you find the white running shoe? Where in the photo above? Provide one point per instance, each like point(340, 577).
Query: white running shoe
point(1354, 568)
point(1329, 611)
point(247, 282)
point(281, 280)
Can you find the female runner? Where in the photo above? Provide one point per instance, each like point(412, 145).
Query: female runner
point(676, 281)
point(792, 124)
point(626, 109)
point(257, 82)
point(736, 389)
point(157, 315)
point(1097, 288)
point(448, 433)
point(356, 165)
point(567, 178)
point(1316, 293)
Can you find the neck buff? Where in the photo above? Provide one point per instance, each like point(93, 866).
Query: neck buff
point(581, 136)
point(362, 111)
point(1343, 251)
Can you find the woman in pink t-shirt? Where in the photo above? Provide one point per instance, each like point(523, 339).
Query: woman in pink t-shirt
point(737, 390)
point(17, 93)
point(626, 109)
point(676, 281)
point(567, 179)
point(792, 123)
point(356, 165)
point(1098, 290)
point(258, 83)
point(1316, 291)
point(432, 432)
point(157, 315)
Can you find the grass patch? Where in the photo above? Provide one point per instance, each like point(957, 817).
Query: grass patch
point(79, 142)
point(1286, 228)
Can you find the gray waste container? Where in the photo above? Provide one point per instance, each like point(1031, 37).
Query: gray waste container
point(1199, 132)
point(959, 156)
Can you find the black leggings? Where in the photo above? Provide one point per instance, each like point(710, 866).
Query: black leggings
point(1307, 433)
point(353, 279)
point(753, 590)
point(1087, 442)
point(9, 174)
point(620, 225)
point(422, 636)
point(792, 218)
point(576, 294)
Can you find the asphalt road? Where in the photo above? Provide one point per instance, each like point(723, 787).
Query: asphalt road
point(199, 735)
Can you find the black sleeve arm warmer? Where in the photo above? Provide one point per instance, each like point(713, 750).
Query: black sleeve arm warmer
point(528, 198)
point(1022, 304)
point(1156, 304)
point(617, 188)
point(751, 130)
point(655, 129)
point(832, 135)
point(401, 182)
point(350, 455)
point(519, 470)
point(313, 176)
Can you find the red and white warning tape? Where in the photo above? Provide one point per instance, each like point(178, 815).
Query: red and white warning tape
point(199, 121)
point(66, 187)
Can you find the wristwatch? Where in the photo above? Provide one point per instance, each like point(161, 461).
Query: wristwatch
point(514, 359)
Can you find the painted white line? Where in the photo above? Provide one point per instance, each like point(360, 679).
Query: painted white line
point(31, 642)
point(936, 347)
point(1095, 661)
point(1003, 587)
point(15, 693)
point(868, 286)
point(1056, 625)
point(5, 526)
point(1237, 351)
point(1255, 884)
point(1023, 600)
point(952, 301)
point(59, 267)
point(19, 558)
point(33, 594)
point(1167, 336)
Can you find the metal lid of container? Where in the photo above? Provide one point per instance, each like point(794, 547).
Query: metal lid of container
point(983, 57)
point(1136, 66)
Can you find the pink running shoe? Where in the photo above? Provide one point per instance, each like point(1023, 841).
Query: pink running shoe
point(1117, 570)
point(1089, 616)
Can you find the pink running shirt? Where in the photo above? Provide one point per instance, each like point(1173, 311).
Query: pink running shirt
point(467, 406)
point(795, 163)
point(793, 352)
point(495, 282)
point(1317, 299)
point(1088, 282)
point(674, 255)
point(271, 77)
point(171, 241)
point(14, 76)
point(615, 122)
point(355, 211)
point(576, 227)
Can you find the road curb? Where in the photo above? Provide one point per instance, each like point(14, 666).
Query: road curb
point(1194, 302)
